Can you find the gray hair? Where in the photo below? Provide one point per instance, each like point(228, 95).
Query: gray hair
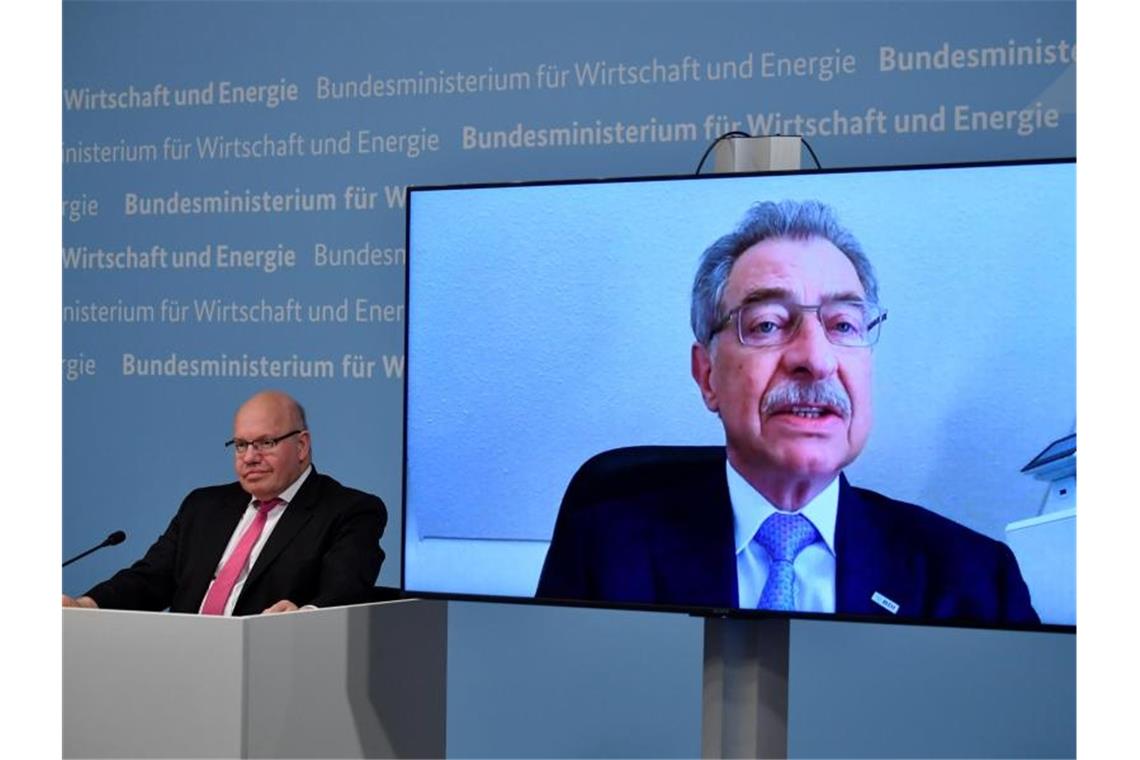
point(795, 220)
point(300, 412)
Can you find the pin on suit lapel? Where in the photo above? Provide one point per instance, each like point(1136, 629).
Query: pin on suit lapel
point(872, 565)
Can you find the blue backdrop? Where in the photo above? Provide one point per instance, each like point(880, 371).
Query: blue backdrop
point(183, 122)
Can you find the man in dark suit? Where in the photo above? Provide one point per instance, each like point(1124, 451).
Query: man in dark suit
point(283, 537)
point(785, 312)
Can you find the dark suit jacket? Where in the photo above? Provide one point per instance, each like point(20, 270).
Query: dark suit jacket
point(670, 541)
point(325, 550)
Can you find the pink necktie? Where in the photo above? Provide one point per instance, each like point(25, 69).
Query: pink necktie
point(219, 593)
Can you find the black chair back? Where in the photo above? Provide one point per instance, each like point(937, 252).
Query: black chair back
point(624, 472)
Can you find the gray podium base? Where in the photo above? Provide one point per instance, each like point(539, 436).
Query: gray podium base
point(809, 688)
point(745, 698)
point(367, 681)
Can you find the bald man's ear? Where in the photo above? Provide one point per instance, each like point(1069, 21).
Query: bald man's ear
point(304, 445)
point(701, 361)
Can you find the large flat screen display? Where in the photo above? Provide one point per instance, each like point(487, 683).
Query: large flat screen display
point(797, 394)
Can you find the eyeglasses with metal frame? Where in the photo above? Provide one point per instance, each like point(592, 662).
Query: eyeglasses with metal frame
point(773, 322)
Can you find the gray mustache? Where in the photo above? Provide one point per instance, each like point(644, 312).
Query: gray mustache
point(823, 393)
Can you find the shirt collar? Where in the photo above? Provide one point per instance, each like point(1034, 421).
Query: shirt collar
point(750, 509)
point(287, 495)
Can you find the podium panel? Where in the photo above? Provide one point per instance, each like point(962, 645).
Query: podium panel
point(141, 684)
point(349, 682)
point(364, 681)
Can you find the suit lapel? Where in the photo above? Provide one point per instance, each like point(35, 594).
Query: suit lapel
point(216, 531)
point(296, 515)
point(872, 562)
point(694, 557)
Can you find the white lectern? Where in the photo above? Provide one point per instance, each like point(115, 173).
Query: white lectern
point(366, 681)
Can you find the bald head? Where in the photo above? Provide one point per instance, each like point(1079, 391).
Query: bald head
point(267, 416)
point(279, 401)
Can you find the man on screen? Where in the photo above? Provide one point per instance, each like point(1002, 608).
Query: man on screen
point(282, 537)
point(785, 312)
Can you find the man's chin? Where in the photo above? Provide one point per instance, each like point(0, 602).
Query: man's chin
point(811, 461)
point(252, 485)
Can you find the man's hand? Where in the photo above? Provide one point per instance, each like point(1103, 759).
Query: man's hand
point(83, 601)
point(283, 606)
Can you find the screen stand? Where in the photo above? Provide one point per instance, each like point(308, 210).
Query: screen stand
point(745, 699)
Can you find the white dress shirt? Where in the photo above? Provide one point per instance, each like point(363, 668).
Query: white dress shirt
point(814, 567)
point(247, 517)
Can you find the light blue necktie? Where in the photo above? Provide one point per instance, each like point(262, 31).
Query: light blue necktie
point(783, 536)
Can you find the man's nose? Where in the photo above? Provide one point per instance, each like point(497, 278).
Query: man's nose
point(251, 454)
point(810, 353)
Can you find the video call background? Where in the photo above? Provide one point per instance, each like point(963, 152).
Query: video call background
point(578, 341)
point(133, 446)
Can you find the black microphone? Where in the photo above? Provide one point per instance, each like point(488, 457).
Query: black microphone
point(117, 537)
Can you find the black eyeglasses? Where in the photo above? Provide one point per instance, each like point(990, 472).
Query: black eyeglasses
point(261, 445)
